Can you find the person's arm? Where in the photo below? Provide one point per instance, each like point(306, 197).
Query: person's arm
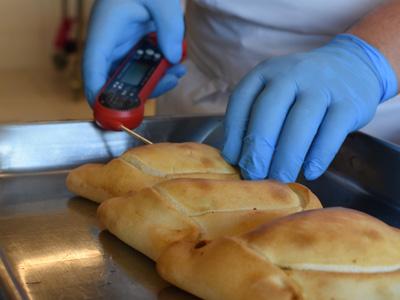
point(295, 111)
point(380, 28)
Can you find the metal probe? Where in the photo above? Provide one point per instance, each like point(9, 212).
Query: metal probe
point(136, 135)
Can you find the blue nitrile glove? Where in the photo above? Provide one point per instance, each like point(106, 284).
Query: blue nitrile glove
point(117, 25)
point(298, 109)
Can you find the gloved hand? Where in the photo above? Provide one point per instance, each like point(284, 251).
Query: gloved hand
point(117, 25)
point(297, 110)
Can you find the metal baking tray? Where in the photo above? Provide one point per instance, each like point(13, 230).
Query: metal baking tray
point(50, 244)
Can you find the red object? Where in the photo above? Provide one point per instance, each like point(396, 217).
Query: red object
point(63, 33)
point(112, 119)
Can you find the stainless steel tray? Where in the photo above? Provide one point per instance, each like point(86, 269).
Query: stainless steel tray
point(50, 245)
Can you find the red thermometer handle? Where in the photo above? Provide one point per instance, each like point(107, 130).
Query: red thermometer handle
point(121, 100)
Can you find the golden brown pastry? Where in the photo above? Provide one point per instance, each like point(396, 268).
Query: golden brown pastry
point(315, 255)
point(147, 165)
point(193, 209)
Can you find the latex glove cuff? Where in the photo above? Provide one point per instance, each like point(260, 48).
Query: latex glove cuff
point(373, 58)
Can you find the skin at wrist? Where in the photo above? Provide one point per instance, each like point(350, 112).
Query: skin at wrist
point(380, 29)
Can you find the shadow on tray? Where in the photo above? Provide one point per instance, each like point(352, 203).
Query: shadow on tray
point(139, 268)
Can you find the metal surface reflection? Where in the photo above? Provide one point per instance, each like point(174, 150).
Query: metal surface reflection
point(54, 249)
point(51, 245)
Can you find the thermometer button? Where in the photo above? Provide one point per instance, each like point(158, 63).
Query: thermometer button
point(139, 53)
point(157, 56)
point(149, 52)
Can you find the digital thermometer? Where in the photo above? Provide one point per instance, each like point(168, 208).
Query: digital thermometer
point(121, 100)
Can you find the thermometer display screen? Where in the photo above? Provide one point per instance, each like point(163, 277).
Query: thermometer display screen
point(135, 73)
point(122, 93)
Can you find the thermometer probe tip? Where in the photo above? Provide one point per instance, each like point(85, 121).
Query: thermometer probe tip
point(136, 135)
